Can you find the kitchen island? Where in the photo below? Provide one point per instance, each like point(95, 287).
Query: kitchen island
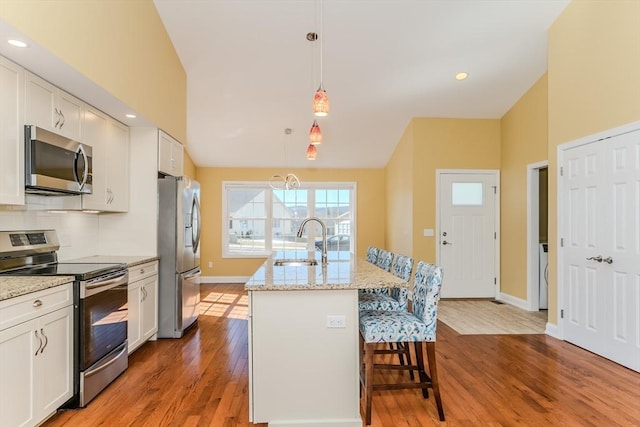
point(303, 339)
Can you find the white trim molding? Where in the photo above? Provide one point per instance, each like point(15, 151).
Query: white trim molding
point(533, 234)
point(514, 301)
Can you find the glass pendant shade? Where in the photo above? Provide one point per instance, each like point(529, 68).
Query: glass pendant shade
point(315, 134)
point(321, 102)
point(312, 152)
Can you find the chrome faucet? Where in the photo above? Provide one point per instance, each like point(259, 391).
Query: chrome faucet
point(324, 235)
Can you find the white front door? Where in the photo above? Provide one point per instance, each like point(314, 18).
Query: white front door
point(600, 231)
point(467, 240)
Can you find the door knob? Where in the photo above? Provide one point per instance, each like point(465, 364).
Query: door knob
point(444, 242)
point(608, 260)
point(597, 258)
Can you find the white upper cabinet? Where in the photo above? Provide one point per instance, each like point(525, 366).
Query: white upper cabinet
point(110, 177)
point(118, 166)
point(11, 133)
point(170, 155)
point(51, 108)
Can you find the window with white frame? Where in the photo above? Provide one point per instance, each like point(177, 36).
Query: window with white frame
point(258, 219)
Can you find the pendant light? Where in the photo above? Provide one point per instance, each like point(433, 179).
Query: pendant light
point(315, 134)
point(312, 152)
point(321, 99)
point(285, 182)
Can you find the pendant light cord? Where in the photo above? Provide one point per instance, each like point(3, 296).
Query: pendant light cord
point(321, 39)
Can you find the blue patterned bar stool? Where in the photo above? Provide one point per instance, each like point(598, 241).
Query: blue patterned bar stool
point(398, 298)
point(384, 259)
point(384, 262)
point(419, 326)
point(372, 254)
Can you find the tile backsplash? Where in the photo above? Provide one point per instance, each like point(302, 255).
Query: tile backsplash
point(77, 231)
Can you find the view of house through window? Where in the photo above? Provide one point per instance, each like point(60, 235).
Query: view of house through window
point(260, 219)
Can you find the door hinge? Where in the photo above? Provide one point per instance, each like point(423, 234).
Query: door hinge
point(495, 191)
point(562, 242)
point(495, 281)
point(562, 314)
point(561, 170)
point(495, 235)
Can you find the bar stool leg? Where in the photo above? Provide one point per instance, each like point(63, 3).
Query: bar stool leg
point(368, 380)
point(424, 379)
point(431, 357)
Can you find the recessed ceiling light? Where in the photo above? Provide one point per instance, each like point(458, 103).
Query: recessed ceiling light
point(17, 43)
point(461, 76)
point(130, 116)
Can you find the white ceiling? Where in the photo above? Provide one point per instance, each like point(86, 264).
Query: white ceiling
point(252, 73)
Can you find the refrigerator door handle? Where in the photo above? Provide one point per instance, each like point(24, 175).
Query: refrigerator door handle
point(195, 223)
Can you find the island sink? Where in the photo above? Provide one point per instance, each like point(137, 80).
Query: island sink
point(294, 262)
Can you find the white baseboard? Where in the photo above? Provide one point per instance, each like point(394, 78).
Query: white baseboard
point(553, 331)
point(224, 279)
point(514, 301)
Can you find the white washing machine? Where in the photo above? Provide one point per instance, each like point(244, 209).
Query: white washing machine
point(544, 276)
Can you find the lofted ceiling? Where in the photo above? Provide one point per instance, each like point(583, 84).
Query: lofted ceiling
point(251, 72)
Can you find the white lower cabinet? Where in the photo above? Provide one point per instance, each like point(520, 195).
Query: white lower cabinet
point(36, 363)
point(143, 304)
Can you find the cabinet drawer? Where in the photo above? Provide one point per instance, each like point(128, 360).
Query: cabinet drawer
point(141, 271)
point(26, 307)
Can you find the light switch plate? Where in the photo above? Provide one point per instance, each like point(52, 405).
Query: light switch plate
point(428, 232)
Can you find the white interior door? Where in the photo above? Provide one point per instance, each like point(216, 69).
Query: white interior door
point(600, 273)
point(467, 241)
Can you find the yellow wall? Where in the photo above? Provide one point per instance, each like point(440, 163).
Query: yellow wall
point(370, 210)
point(523, 141)
point(399, 191)
point(121, 45)
point(594, 66)
point(189, 166)
point(445, 144)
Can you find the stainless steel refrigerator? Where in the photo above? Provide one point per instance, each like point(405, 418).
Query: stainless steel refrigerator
point(179, 251)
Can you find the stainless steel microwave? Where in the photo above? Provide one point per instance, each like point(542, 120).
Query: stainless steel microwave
point(55, 164)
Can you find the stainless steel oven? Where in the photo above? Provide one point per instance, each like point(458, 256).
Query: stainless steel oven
point(100, 307)
point(103, 332)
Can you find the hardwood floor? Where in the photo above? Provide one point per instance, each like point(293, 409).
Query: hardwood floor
point(485, 380)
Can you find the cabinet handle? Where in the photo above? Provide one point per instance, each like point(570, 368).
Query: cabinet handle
point(142, 271)
point(46, 340)
point(63, 119)
point(40, 345)
point(57, 115)
point(37, 303)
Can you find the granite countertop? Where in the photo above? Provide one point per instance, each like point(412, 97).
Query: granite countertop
point(14, 286)
point(343, 271)
point(131, 261)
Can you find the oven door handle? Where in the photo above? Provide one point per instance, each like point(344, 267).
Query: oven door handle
point(103, 285)
point(109, 363)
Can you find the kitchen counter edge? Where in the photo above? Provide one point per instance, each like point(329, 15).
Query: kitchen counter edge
point(15, 286)
point(130, 260)
point(363, 275)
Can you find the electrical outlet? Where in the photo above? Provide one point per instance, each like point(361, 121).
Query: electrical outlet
point(210, 264)
point(334, 321)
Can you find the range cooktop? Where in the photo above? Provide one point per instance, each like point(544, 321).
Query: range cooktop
point(81, 271)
